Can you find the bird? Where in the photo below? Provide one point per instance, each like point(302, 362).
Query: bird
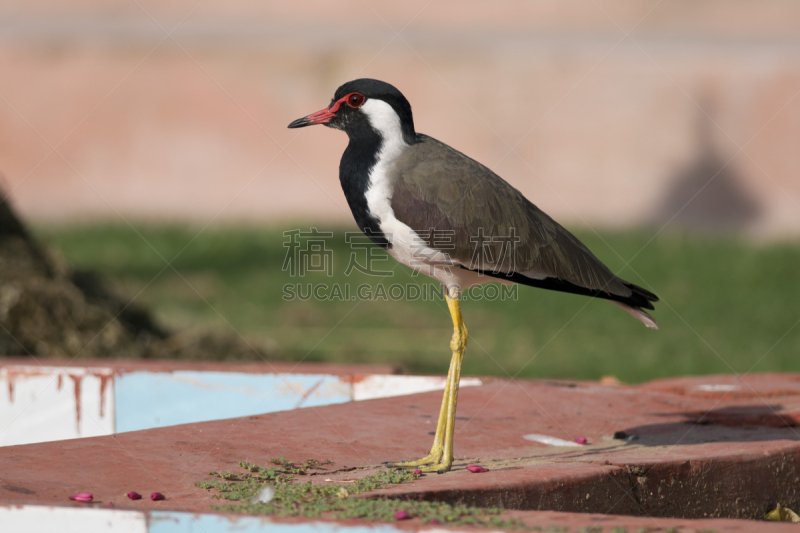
point(448, 216)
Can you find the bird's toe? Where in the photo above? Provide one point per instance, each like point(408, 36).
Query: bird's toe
point(438, 468)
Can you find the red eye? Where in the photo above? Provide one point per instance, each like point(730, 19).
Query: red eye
point(355, 100)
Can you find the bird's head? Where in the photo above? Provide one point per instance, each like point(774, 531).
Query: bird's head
point(365, 107)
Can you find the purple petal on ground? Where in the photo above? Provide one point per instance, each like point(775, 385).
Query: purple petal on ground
point(417, 472)
point(157, 496)
point(133, 495)
point(476, 469)
point(401, 515)
point(83, 497)
point(581, 440)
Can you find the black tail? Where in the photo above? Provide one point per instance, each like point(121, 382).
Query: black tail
point(634, 304)
point(640, 297)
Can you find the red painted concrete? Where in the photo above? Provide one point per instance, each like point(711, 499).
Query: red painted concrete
point(677, 468)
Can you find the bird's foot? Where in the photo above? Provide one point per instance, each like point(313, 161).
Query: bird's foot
point(439, 468)
point(432, 458)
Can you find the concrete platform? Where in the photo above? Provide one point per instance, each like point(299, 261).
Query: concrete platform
point(712, 447)
point(57, 400)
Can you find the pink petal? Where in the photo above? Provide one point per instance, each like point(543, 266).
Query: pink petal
point(83, 497)
point(581, 440)
point(157, 496)
point(401, 515)
point(417, 472)
point(476, 469)
point(134, 495)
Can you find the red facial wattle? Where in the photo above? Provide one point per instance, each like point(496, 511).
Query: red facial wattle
point(323, 116)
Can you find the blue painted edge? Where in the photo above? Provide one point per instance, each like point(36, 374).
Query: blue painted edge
point(145, 400)
point(175, 522)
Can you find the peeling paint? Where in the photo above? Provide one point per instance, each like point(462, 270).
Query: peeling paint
point(103, 401)
point(387, 385)
point(52, 411)
point(77, 381)
point(104, 379)
point(308, 393)
point(10, 377)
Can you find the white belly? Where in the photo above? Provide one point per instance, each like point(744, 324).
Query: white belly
point(410, 249)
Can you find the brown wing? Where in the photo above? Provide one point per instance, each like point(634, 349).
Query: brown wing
point(438, 188)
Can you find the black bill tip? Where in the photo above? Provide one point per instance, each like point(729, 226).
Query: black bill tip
point(300, 123)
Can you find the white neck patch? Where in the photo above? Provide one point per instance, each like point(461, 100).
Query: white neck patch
point(379, 191)
point(385, 120)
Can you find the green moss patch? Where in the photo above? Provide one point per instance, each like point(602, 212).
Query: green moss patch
point(297, 498)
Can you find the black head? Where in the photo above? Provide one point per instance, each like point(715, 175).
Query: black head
point(347, 112)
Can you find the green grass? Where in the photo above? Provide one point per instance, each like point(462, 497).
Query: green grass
point(727, 306)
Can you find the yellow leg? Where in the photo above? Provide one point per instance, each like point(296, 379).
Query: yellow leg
point(437, 449)
point(440, 459)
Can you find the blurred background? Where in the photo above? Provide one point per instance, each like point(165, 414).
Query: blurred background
point(146, 141)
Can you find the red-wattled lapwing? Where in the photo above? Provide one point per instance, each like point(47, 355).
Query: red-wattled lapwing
point(446, 215)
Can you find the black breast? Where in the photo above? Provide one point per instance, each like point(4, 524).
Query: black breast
point(357, 162)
